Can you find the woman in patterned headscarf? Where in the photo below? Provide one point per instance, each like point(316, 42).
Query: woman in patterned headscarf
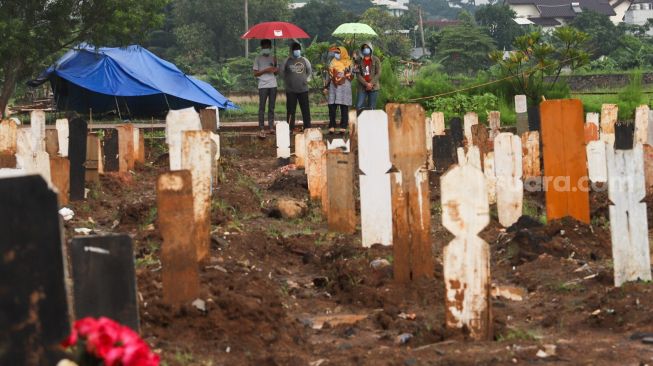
point(339, 88)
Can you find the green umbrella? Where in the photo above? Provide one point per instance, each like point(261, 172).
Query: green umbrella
point(354, 29)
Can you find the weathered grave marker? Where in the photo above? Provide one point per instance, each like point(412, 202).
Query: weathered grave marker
point(340, 144)
point(443, 152)
point(176, 222)
point(33, 303)
point(7, 160)
point(531, 155)
point(472, 157)
point(409, 184)
point(137, 146)
point(8, 130)
point(51, 143)
point(209, 119)
point(508, 169)
point(37, 127)
point(316, 175)
point(624, 134)
point(609, 114)
point(140, 158)
point(470, 119)
point(215, 166)
point(63, 133)
point(481, 139)
point(104, 279)
point(490, 177)
point(77, 157)
point(92, 158)
point(60, 171)
point(648, 168)
point(283, 142)
point(428, 133)
point(374, 164)
point(110, 147)
point(565, 166)
point(628, 221)
point(197, 157)
point(466, 260)
point(521, 108)
point(300, 151)
point(340, 187)
point(125, 147)
point(591, 127)
point(494, 121)
point(32, 162)
point(457, 133)
point(353, 132)
point(642, 125)
point(310, 134)
point(596, 161)
point(178, 121)
point(437, 123)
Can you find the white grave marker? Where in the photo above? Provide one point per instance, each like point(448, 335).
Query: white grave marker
point(508, 168)
point(596, 161)
point(628, 221)
point(520, 104)
point(490, 177)
point(642, 125)
point(63, 133)
point(437, 123)
point(178, 121)
point(37, 123)
point(300, 150)
point(339, 144)
point(609, 114)
point(283, 140)
point(470, 120)
point(494, 121)
point(472, 157)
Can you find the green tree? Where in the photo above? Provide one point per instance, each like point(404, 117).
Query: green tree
point(464, 48)
point(387, 27)
point(33, 31)
point(319, 19)
point(355, 7)
point(535, 58)
point(604, 36)
point(498, 20)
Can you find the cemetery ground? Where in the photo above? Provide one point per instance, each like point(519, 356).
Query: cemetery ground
point(282, 291)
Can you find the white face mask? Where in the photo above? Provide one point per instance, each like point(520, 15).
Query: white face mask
point(265, 52)
point(337, 56)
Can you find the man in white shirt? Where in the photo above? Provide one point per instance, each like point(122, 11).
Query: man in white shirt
point(265, 70)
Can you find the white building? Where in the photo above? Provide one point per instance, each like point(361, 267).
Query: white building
point(639, 13)
point(394, 7)
point(293, 6)
point(554, 13)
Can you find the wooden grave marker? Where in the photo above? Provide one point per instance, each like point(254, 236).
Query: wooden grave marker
point(481, 139)
point(443, 152)
point(104, 278)
point(470, 119)
point(437, 123)
point(197, 157)
point(137, 146)
point(374, 164)
point(34, 303)
point(472, 157)
point(140, 158)
point(457, 133)
point(283, 142)
point(61, 126)
point(642, 125)
point(466, 259)
point(624, 134)
point(92, 173)
point(648, 168)
point(494, 123)
point(125, 147)
point(174, 197)
point(413, 258)
point(77, 157)
point(340, 144)
point(521, 108)
point(300, 151)
point(316, 175)
point(310, 134)
point(530, 142)
point(209, 119)
point(490, 177)
point(430, 164)
point(29, 160)
point(178, 121)
point(215, 166)
point(353, 132)
point(596, 161)
point(565, 159)
point(609, 114)
point(37, 127)
point(508, 169)
point(591, 127)
point(60, 171)
point(110, 149)
point(340, 187)
point(628, 220)
point(51, 143)
point(8, 131)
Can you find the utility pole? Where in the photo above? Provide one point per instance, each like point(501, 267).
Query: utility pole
point(246, 28)
point(421, 30)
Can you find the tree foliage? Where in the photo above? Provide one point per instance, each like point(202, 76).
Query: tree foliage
point(603, 35)
point(387, 27)
point(320, 18)
point(33, 31)
point(464, 48)
point(498, 21)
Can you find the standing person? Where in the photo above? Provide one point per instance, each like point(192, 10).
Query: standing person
point(296, 70)
point(265, 70)
point(339, 88)
point(369, 79)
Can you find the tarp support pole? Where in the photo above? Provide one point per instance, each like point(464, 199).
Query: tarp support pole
point(117, 106)
point(166, 98)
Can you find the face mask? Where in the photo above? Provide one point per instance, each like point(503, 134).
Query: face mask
point(265, 51)
point(337, 56)
point(367, 51)
point(297, 53)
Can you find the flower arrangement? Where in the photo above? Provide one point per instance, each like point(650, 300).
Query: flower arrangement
point(103, 342)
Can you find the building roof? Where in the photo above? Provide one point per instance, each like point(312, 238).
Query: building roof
point(564, 9)
point(441, 23)
point(545, 22)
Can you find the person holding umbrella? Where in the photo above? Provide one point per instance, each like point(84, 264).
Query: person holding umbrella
point(369, 78)
point(296, 70)
point(265, 70)
point(339, 88)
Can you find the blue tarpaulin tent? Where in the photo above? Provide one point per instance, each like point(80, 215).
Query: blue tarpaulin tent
point(130, 80)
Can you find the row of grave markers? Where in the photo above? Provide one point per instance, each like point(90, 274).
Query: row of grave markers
point(492, 167)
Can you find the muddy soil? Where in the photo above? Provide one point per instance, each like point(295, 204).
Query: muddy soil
point(270, 282)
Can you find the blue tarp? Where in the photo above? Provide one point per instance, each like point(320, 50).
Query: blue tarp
point(131, 79)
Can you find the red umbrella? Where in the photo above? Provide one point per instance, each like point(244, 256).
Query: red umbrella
point(274, 30)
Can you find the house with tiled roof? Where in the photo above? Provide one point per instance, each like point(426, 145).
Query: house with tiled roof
point(554, 13)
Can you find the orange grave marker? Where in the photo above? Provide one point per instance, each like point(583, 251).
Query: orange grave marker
point(60, 172)
point(591, 127)
point(565, 159)
point(92, 158)
point(409, 183)
point(52, 143)
point(125, 147)
point(530, 142)
point(340, 188)
point(315, 165)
